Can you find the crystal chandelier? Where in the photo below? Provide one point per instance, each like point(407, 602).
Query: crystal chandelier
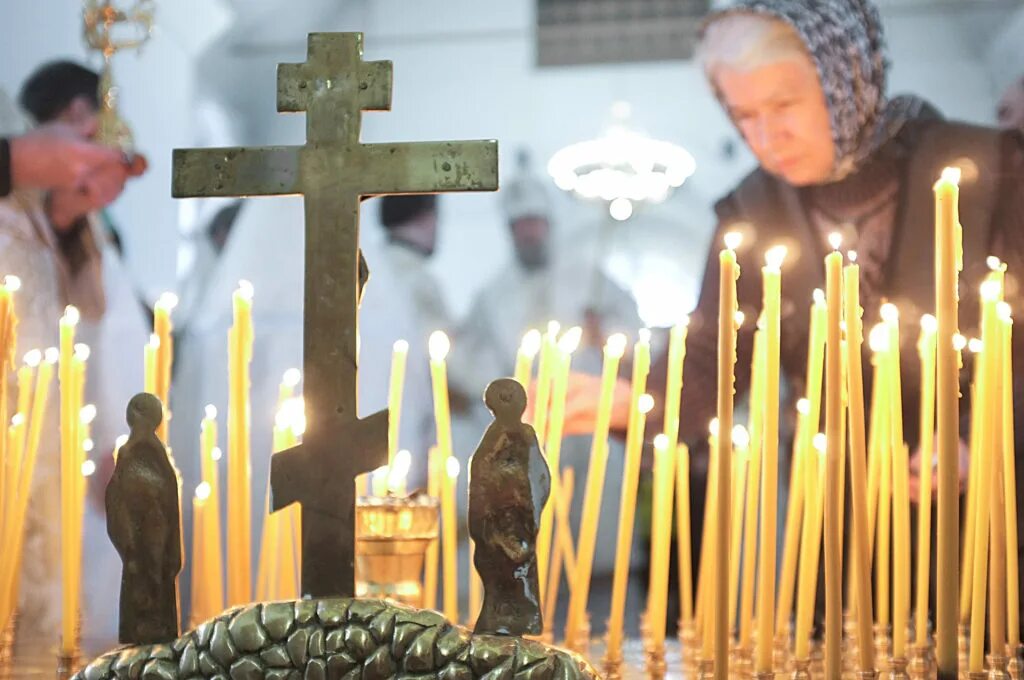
point(623, 167)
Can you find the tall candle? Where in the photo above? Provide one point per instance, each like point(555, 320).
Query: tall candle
point(213, 558)
point(613, 350)
point(674, 380)
point(1010, 485)
point(69, 456)
point(528, 349)
point(149, 354)
point(450, 539)
point(860, 552)
point(794, 523)
point(814, 494)
point(201, 607)
point(729, 272)
point(435, 464)
point(926, 352)
point(835, 442)
point(772, 277)
point(752, 491)
point(239, 576)
point(683, 533)
point(705, 615)
point(399, 356)
point(948, 262)
point(548, 364)
point(162, 328)
point(661, 537)
point(562, 553)
point(973, 484)
point(993, 340)
point(627, 509)
point(740, 464)
point(562, 360)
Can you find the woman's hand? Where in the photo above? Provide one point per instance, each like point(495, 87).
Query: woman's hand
point(582, 399)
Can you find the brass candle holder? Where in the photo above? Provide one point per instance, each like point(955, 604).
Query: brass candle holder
point(7, 648)
point(612, 662)
point(392, 537)
point(780, 650)
point(883, 645)
point(963, 646)
point(997, 667)
point(705, 669)
point(1015, 666)
point(801, 669)
point(687, 646)
point(655, 665)
point(897, 669)
point(920, 667)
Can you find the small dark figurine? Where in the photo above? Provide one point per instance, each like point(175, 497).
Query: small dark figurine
point(143, 522)
point(509, 484)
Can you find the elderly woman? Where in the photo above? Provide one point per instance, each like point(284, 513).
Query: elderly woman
point(805, 84)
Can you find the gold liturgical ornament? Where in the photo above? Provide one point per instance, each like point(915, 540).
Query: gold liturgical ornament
point(109, 28)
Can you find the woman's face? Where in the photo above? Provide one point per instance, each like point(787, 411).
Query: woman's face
point(780, 110)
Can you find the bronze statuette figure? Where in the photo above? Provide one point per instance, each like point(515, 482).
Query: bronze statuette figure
point(143, 521)
point(509, 484)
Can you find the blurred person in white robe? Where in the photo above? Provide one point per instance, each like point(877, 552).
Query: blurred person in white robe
point(546, 280)
point(57, 244)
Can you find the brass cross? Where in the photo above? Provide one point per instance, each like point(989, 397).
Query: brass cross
point(333, 171)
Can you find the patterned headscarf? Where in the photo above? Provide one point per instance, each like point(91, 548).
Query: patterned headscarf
point(846, 43)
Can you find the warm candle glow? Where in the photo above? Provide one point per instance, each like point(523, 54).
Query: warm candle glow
point(733, 239)
point(835, 239)
point(615, 346)
point(452, 467)
point(803, 406)
point(959, 342)
point(774, 257)
point(51, 355)
point(399, 471)
point(820, 442)
point(951, 175)
point(1004, 311)
point(975, 345)
point(740, 437)
point(531, 343)
point(438, 346)
point(293, 376)
point(929, 324)
point(661, 442)
point(87, 414)
point(216, 454)
point(245, 290)
point(82, 352)
point(878, 338)
point(713, 427)
point(71, 316)
point(991, 289)
point(818, 296)
point(167, 301)
point(645, 403)
point(852, 255)
point(88, 468)
point(203, 491)
point(994, 263)
point(12, 283)
point(88, 445)
point(570, 341)
point(889, 313)
point(740, 318)
point(211, 412)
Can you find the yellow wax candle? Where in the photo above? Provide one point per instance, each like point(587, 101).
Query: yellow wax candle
point(68, 456)
point(973, 484)
point(627, 508)
point(149, 356)
point(562, 553)
point(860, 552)
point(993, 342)
point(399, 356)
point(562, 360)
point(548, 364)
point(948, 261)
point(435, 471)
point(751, 492)
point(1010, 485)
point(729, 272)
point(683, 534)
point(613, 351)
point(810, 548)
point(674, 380)
point(201, 608)
point(528, 349)
point(810, 417)
point(661, 537)
point(706, 569)
point(740, 460)
point(794, 523)
point(835, 446)
point(926, 352)
point(450, 540)
point(883, 521)
point(26, 381)
point(398, 474)
point(210, 456)
point(239, 581)
point(165, 354)
point(772, 277)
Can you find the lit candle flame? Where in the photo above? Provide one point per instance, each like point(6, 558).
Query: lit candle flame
point(713, 427)
point(120, 441)
point(740, 437)
point(530, 344)
point(82, 352)
point(959, 342)
point(991, 290)
point(211, 412)
point(203, 491)
point(889, 313)
point(88, 468)
point(216, 454)
point(994, 263)
point(167, 301)
point(12, 283)
point(803, 406)
point(852, 255)
point(878, 338)
point(661, 442)
point(645, 403)
point(18, 419)
point(292, 377)
point(71, 316)
point(835, 239)
point(739, 318)
point(51, 355)
point(87, 414)
point(245, 290)
point(616, 345)
point(399, 471)
point(774, 257)
point(951, 175)
point(570, 341)
point(33, 358)
point(733, 239)
point(438, 346)
point(929, 324)
point(154, 341)
point(553, 328)
point(452, 467)
point(818, 296)
point(1004, 312)
point(820, 442)
point(976, 345)
point(88, 445)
